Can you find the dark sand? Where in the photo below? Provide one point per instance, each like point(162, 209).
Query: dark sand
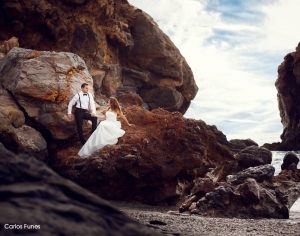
point(168, 221)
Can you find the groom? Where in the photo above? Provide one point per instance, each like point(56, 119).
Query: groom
point(84, 101)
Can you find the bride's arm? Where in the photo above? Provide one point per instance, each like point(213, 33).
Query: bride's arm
point(101, 117)
point(125, 119)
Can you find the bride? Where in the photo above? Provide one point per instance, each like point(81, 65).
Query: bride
point(107, 132)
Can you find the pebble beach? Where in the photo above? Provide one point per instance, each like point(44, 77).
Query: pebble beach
point(168, 221)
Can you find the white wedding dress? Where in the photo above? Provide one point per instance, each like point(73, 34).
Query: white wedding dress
point(107, 132)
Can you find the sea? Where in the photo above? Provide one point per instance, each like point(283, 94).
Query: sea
point(277, 156)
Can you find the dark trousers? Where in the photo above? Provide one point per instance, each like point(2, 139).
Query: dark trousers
point(80, 115)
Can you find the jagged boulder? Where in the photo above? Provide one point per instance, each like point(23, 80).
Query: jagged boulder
point(43, 83)
point(254, 156)
point(259, 173)
point(37, 201)
point(121, 45)
point(252, 192)
point(248, 199)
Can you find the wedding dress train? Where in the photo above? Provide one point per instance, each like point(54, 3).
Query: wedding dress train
point(107, 132)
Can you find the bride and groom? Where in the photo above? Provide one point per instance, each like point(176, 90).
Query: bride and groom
point(109, 129)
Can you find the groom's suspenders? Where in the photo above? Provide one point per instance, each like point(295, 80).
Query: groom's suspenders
point(80, 100)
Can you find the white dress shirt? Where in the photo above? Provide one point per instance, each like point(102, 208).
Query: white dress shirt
point(85, 102)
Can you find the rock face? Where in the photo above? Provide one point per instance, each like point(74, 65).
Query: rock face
point(10, 109)
point(238, 191)
point(150, 162)
point(11, 117)
point(287, 85)
point(43, 83)
point(32, 194)
point(123, 47)
point(14, 134)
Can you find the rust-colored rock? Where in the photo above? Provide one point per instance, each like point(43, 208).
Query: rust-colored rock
point(120, 44)
point(149, 162)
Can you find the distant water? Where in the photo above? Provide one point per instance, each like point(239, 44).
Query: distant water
point(277, 160)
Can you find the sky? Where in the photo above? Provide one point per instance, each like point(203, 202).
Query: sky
point(234, 48)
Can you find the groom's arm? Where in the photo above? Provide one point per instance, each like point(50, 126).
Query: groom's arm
point(71, 104)
point(93, 106)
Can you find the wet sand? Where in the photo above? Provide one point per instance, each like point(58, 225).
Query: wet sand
point(168, 221)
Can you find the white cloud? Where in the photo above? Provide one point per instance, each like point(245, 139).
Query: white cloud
point(234, 56)
point(280, 26)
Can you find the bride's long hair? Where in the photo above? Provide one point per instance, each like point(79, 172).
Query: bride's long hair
point(115, 106)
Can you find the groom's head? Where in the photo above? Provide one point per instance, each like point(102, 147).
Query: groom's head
point(84, 87)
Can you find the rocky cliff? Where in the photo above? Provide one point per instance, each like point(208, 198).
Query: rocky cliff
point(288, 88)
point(124, 49)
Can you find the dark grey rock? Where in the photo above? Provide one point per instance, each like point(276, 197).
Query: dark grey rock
point(242, 143)
point(289, 159)
point(259, 173)
point(33, 194)
point(254, 156)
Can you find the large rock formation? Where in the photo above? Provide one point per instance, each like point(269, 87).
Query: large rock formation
point(150, 162)
point(124, 49)
point(43, 83)
point(288, 88)
point(37, 201)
